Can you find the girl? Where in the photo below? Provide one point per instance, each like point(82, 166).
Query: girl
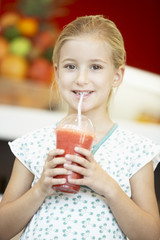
point(116, 199)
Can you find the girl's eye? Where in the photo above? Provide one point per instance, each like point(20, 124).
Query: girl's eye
point(70, 66)
point(96, 67)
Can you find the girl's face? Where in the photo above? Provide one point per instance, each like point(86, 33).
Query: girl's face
point(85, 66)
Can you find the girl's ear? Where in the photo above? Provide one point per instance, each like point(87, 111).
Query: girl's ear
point(118, 77)
point(56, 72)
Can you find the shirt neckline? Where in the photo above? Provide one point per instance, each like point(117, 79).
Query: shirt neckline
point(97, 146)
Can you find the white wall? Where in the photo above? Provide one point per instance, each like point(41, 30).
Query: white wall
point(139, 93)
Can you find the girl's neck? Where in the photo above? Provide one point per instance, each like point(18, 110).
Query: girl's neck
point(102, 125)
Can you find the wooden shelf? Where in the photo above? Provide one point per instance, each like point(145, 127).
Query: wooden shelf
point(27, 94)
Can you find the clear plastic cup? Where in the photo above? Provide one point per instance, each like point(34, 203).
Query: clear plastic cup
point(70, 135)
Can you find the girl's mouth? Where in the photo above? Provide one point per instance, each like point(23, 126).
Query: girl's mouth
point(79, 93)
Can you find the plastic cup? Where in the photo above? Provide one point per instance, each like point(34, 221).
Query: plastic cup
point(70, 135)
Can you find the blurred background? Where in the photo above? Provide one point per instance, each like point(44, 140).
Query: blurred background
point(28, 31)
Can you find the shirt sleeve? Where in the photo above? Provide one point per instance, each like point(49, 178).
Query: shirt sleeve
point(32, 149)
point(20, 148)
point(142, 152)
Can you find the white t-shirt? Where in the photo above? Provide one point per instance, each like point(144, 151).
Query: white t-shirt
point(84, 215)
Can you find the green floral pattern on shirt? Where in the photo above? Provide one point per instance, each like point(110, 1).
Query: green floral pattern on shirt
point(84, 215)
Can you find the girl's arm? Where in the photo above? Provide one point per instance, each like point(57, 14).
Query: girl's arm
point(137, 217)
point(20, 201)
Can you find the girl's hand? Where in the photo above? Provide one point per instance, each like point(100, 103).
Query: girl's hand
point(93, 174)
point(47, 181)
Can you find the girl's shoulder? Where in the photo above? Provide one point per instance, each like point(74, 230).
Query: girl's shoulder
point(44, 132)
point(32, 148)
point(131, 137)
point(139, 148)
point(34, 140)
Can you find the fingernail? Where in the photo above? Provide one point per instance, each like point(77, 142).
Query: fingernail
point(65, 165)
point(61, 151)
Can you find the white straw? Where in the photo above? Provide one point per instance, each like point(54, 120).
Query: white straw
point(79, 110)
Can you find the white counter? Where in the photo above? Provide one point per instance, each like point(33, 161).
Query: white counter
point(16, 121)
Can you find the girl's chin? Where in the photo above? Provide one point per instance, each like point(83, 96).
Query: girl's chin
point(74, 109)
point(84, 110)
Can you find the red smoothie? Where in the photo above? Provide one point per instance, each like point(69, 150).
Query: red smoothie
point(68, 139)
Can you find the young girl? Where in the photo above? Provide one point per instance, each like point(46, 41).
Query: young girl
point(116, 199)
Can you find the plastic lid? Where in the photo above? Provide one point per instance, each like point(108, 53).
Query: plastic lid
point(72, 122)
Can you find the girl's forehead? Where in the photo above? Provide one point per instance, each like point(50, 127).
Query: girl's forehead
point(84, 42)
point(85, 50)
point(86, 38)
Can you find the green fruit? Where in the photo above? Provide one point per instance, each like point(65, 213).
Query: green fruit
point(48, 54)
point(20, 46)
point(11, 32)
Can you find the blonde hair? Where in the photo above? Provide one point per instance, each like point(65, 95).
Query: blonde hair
point(99, 27)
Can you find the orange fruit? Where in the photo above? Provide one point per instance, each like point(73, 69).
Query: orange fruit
point(3, 47)
point(28, 26)
point(14, 67)
point(9, 19)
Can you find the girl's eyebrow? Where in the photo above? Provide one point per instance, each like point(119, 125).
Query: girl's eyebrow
point(68, 59)
point(98, 60)
point(92, 60)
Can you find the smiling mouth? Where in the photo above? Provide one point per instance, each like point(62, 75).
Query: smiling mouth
point(79, 93)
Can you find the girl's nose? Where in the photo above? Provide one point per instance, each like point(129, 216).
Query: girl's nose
point(82, 78)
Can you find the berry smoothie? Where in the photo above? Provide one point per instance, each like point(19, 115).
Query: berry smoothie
point(68, 139)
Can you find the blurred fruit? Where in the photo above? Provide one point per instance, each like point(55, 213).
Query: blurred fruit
point(20, 46)
point(44, 40)
point(41, 71)
point(48, 54)
point(11, 32)
point(9, 19)
point(28, 26)
point(35, 53)
point(39, 8)
point(3, 47)
point(14, 67)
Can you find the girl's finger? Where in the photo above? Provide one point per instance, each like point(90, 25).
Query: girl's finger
point(80, 181)
point(80, 160)
point(85, 152)
point(55, 161)
point(54, 153)
point(76, 168)
point(58, 181)
point(58, 171)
